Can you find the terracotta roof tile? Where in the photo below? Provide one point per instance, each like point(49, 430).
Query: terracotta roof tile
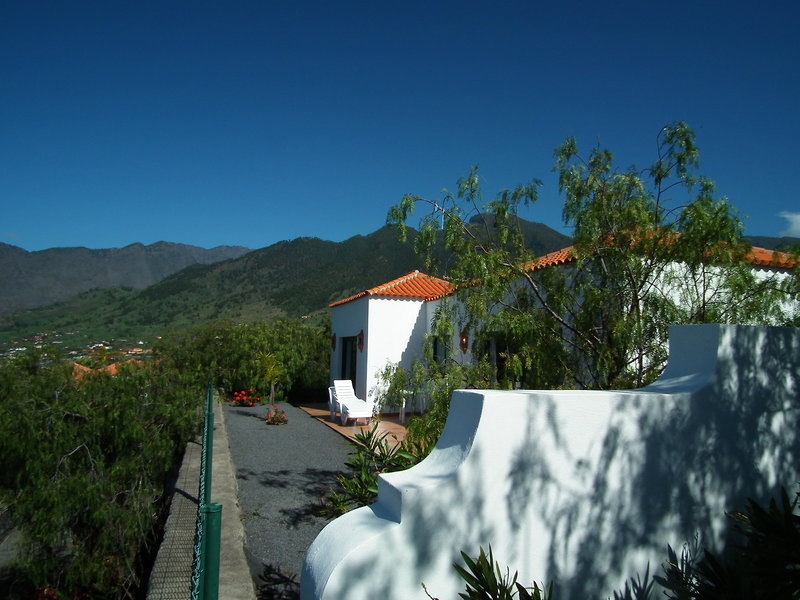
point(419, 286)
point(559, 257)
point(757, 256)
point(414, 286)
point(770, 258)
point(80, 371)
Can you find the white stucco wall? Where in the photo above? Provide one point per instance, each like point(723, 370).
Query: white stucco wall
point(394, 332)
point(348, 320)
point(394, 329)
point(582, 488)
point(397, 329)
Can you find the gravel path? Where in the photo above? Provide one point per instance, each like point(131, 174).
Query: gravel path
point(281, 472)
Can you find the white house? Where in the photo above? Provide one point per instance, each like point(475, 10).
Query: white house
point(384, 324)
point(387, 324)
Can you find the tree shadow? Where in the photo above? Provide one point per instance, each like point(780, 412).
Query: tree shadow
point(594, 485)
point(273, 584)
point(689, 460)
point(248, 411)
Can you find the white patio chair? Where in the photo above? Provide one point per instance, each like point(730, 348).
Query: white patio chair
point(349, 405)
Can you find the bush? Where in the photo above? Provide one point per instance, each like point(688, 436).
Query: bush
point(275, 416)
point(371, 456)
point(280, 360)
point(763, 563)
point(85, 465)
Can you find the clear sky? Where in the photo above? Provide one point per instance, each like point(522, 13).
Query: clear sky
point(247, 123)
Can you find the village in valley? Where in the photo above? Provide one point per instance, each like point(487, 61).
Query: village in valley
point(113, 350)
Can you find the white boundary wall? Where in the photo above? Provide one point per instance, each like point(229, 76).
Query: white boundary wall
point(579, 487)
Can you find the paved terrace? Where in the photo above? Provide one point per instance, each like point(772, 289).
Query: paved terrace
point(269, 480)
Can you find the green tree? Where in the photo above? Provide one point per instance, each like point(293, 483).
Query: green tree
point(231, 356)
point(84, 468)
point(652, 247)
point(270, 370)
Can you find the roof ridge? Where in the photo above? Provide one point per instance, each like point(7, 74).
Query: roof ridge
point(414, 285)
point(394, 282)
point(757, 256)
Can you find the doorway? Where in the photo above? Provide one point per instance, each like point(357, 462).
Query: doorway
point(349, 356)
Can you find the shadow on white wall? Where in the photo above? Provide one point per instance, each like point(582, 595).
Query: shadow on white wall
point(582, 488)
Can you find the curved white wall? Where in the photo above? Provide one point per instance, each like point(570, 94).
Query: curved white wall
point(577, 487)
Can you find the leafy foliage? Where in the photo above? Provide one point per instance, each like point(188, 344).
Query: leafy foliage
point(372, 455)
point(764, 564)
point(652, 247)
point(275, 416)
point(428, 386)
point(85, 465)
point(283, 359)
point(486, 581)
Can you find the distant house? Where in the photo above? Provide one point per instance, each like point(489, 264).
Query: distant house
point(79, 372)
point(388, 323)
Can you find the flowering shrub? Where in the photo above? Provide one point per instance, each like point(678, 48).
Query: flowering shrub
point(275, 416)
point(245, 398)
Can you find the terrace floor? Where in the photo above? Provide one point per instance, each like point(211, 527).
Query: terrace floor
point(387, 423)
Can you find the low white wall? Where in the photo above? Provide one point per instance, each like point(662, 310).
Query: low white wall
point(582, 488)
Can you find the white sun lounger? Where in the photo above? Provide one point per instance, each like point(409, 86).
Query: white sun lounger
point(347, 404)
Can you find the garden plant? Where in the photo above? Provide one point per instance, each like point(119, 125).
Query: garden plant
point(276, 416)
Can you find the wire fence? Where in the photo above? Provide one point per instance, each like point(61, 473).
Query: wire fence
point(205, 566)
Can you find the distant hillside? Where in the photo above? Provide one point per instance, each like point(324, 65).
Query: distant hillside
point(774, 243)
point(33, 279)
point(288, 279)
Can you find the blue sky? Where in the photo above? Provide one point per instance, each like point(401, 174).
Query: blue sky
point(247, 123)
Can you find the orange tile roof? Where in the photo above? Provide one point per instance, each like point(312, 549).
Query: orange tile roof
point(419, 286)
point(552, 259)
point(770, 258)
point(80, 371)
point(757, 256)
point(414, 286)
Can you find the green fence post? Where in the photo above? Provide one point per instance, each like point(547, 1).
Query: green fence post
point(201, 553)
point(208, 445)
point(213, 515)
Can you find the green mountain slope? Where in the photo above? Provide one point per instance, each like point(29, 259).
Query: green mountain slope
point(289, 279)
point(33, 279)
point(783, 244)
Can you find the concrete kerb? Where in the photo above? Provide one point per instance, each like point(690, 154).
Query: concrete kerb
point(235, 580)
point(172, 571)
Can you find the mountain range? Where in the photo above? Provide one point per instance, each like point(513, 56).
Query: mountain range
point(33, 279)
point(142, 291)
point(289, 279)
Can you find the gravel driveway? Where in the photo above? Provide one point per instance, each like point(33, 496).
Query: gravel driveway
point(282, 471)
